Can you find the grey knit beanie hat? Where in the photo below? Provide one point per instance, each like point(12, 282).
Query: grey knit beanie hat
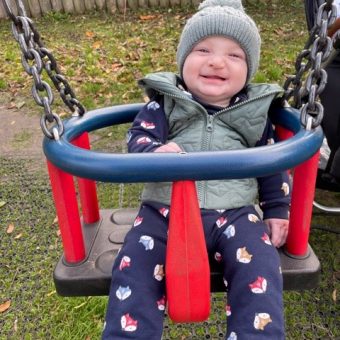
point(224, 18)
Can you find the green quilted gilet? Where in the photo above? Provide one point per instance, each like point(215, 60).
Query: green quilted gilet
point(193, 129)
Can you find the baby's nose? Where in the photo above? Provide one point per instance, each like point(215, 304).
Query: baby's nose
point(217, 61)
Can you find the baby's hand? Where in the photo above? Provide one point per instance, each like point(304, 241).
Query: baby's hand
point(170, 147)
point(278, 230)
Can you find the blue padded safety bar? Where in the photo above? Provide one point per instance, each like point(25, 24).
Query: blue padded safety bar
point(160, 167)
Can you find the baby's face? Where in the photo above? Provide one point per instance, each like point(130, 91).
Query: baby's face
point(215, 70)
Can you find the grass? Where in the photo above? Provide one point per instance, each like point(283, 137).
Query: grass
point(102, 56)
point(21, 139)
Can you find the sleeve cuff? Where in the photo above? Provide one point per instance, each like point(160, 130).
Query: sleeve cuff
point(281, 211)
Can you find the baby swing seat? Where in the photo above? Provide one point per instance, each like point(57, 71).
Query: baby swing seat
point(91, 242)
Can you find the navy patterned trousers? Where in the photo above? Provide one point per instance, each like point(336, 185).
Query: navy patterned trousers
point(237, 238)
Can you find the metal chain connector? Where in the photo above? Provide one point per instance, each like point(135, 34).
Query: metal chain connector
point(36, 58)
point(310, 79)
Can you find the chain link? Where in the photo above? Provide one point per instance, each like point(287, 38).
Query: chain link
point(336, 41)
point(35, 58)
point(303, 88)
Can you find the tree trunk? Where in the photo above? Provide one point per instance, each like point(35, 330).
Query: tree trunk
point(111, 6)
point(79, 6)
point(34, 8)
point(57, 5)
point(68, 6)
point(45, 6)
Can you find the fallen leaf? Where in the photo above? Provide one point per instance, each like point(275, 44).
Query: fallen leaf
point(89, 34)
point(116, 66)
point(11, 105)
point(55, 221)
point(97, 44)
point(147, 17)
point(12, 122)
point(4, 306)
point(10, 228)
point(2, 203)
point(334, 295)
point(15, 326)
point(279, 32)
point(20, 105)
point(18, 236)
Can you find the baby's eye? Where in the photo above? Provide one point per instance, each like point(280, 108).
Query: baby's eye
point(236, 55)
point(202, 50)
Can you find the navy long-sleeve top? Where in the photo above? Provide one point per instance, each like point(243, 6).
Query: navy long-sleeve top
point(150, 130)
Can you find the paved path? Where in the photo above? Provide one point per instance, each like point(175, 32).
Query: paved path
point(20, 134)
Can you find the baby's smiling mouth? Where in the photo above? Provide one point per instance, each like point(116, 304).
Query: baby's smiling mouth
point(213, 77)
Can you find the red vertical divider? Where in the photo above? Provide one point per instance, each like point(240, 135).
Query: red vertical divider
point(66, 204)
point(187, 264)
point(87, 188)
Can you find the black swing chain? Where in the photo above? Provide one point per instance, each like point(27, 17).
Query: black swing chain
point(35, 58)
point(316, 51)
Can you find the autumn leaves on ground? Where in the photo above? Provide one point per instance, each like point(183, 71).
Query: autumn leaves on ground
point(102, 56)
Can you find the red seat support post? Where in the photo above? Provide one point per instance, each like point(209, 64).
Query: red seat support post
point(187, 265)
point(301, 207)
point(66, 204)
point(304, 179)
point(87, 188)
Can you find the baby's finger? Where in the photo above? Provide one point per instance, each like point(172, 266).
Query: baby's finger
point(174, 147)
point(275, 235)
point(284, 232)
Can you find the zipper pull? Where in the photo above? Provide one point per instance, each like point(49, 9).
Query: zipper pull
point(210, 123)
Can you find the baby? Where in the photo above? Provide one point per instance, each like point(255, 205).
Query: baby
point(210, 106)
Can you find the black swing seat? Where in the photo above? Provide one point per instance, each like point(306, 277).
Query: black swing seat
point(104, 239)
